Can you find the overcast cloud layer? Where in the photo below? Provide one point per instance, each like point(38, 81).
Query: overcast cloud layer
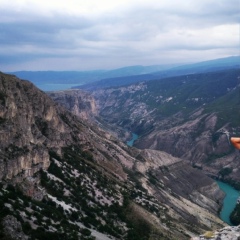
point(105, 34)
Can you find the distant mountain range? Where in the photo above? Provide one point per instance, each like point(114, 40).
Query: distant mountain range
point(201, 67)
point(59, 80)
point(50, 80)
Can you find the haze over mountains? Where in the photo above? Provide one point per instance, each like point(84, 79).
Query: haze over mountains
point(83, 77)
point(47, 80)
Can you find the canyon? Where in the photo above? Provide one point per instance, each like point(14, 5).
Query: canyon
point(191, 117)
point(63, 175)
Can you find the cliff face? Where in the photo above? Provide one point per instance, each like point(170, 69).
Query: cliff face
point(32, 125)
point(197, 139)
point(180, 187)
point(78, 102)
point(28, 128)
point(227, 233)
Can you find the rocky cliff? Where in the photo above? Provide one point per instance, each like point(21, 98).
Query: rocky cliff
point(31, 125)
point(28, 124)
point(80, 103)
point(64, 178)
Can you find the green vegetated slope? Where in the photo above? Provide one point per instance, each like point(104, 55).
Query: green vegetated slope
point(227, 107)
point(186, 93)
point(235, 215)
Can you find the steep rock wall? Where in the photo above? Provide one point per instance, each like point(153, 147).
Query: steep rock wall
point(29, 125)
point(80, 103)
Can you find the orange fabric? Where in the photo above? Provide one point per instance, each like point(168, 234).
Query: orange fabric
point(235, 142)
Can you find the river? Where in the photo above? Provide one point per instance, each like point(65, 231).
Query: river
point(134, 137)
point(229, 202)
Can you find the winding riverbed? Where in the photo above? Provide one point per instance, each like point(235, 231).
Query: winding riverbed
point(134, 137)
point(229, 202)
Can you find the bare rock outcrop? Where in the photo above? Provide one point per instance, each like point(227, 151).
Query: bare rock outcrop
point(13, 228)
point(227, 233)
point(30, 125)
point(80, 103)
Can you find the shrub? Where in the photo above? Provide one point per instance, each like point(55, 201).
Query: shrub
point(26, 227)
point(85, 232)
point(208, 234)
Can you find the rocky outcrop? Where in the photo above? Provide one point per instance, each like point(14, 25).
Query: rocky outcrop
point(192, 139)
point(198, 140)
point(80, 103)
point(120, 108)
point(30, 126)
point(227, 233)
point(13, 228)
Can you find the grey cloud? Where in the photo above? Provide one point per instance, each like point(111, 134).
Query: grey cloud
point(39, 30)
point(133, 33)
point(134, 24)
point(220, 8)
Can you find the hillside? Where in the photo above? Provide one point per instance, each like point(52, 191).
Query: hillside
point(185, 116)
point(63, 178)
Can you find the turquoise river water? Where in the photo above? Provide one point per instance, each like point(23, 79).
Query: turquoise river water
point(134, 137)
point(229, 201)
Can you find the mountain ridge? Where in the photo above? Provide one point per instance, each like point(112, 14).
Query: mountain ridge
point(121, 76)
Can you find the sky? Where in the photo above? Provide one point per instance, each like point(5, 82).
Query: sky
point(84, 35)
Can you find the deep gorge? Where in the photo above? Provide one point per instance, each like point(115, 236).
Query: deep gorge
point(80, 163)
